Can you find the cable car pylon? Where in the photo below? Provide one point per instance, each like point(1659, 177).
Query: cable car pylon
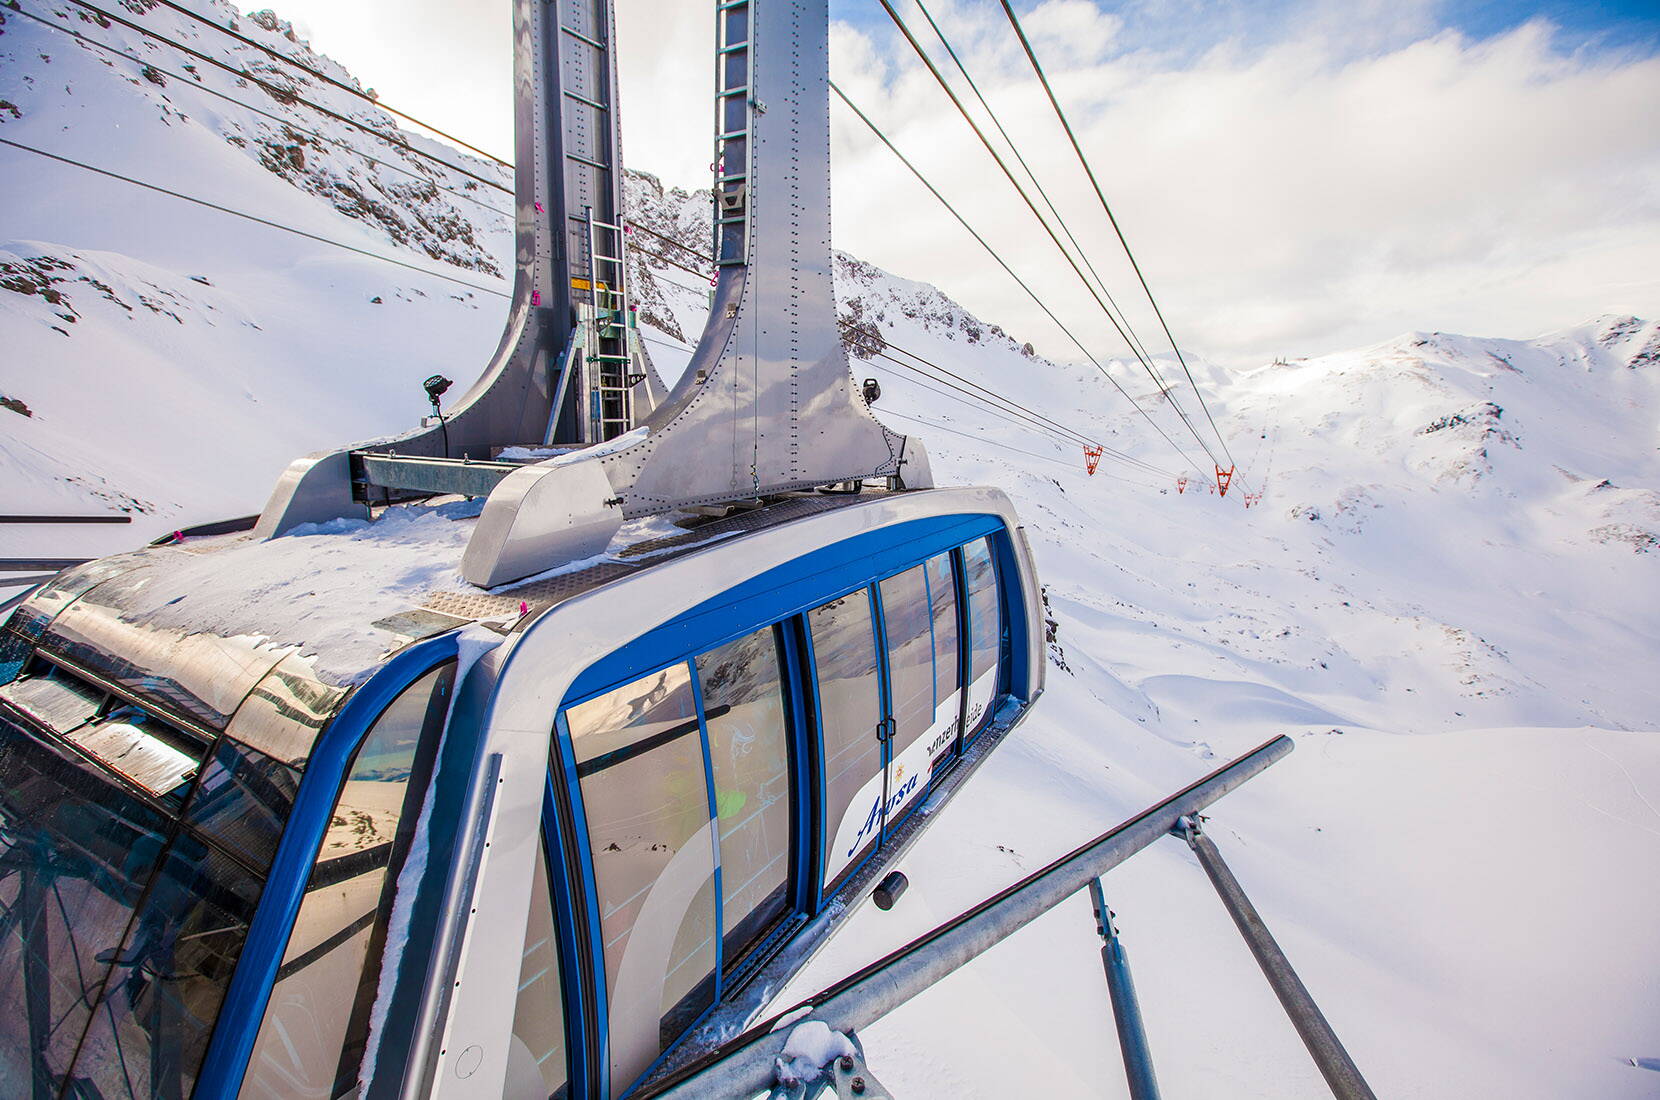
point(766, 405)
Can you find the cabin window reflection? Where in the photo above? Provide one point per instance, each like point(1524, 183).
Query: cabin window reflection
point(743, 706)
point(985, 630)
point(645, 794)
point(537, 1067)
point(906, 623)
point(316, 1023)
point(942, 609)
point(849, 697)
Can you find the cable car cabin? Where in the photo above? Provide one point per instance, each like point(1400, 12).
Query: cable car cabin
point(525, 843)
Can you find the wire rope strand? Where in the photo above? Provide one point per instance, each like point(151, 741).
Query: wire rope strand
point(1032, 175)
point(945, 86)
point(1054, 426)
point(688, 249)
point(1076, 436)
point(994, 443)
point(993, 253)
point(1067, 440)
point(319, 135)
point(254, 218)
point(1043, 79)
point(1055, 430)
point(342, 85)
point(280, 93)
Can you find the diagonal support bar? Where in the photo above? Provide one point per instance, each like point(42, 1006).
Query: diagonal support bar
point(744, 1067)
point(1336, 1066)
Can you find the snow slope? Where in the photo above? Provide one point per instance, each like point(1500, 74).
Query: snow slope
point(1446, 591)
point(140, 324)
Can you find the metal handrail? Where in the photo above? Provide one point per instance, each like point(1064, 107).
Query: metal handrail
point(745, 1066)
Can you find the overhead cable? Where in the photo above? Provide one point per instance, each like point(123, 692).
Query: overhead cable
point(994, 443)
point(1037, 67)
point(939, 77)
point(1054, 429)
point(940, 427)
point(974, 87)
point(319, 135)
point(1079, 437)
point(993, 253)
point(1061, 435)
point(282, 94)
point(255, 218)
point(326, 78)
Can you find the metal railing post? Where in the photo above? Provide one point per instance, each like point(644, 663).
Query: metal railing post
point(1339, 1070)
point(1126, 1010)
point(744, 1066)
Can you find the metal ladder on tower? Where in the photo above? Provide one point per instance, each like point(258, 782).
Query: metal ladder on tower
point(732, 146)
point(610, 321)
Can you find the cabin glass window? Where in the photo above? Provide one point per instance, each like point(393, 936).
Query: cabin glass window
point(125, 918)
point(537, 1067)
point(316, 1023)
point(849, 697)
point(243, 799)
point(905, 620)
point(102, 892)
point(743, 708)
point(645, 793)
point(985, 629)
point(942, 607)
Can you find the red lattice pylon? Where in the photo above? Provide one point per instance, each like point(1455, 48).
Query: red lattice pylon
point(1181, 484)
point(1092, 457)
point(1224, 478)
point(1253, 498)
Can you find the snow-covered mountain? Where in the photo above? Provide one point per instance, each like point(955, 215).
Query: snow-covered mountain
point(1445, 587)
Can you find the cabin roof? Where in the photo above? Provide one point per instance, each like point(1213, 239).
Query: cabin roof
point(197, 624)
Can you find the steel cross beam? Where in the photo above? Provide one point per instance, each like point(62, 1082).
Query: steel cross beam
point(745, 1066)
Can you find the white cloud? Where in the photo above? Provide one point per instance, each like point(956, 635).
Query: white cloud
point(1294, 179)
point(1292, 199)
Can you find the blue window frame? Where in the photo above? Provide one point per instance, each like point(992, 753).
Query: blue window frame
point(778, 602)
point(296, 854)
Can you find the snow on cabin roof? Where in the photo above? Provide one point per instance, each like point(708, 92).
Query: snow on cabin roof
point(340, 596)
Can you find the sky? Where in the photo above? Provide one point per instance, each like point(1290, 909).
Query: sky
point(1296, 177)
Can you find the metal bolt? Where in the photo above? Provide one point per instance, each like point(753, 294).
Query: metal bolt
point(857, 1085)
point(846, 1063)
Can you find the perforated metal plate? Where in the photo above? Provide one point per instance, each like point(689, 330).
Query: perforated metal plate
point(537, 595)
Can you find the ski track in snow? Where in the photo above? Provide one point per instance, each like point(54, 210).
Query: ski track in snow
point(1446, 596)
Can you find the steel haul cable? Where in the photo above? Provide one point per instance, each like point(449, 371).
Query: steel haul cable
point(1018, 280)
point(1038, 419)
point(280, 93)
point(280, 56)
point(254, 218)
point(941, 427)
point(1037, 67)
point(201, 87)
point(974, 87)
point(1152, 371)
point(1079, 437)
point(1059, 432)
